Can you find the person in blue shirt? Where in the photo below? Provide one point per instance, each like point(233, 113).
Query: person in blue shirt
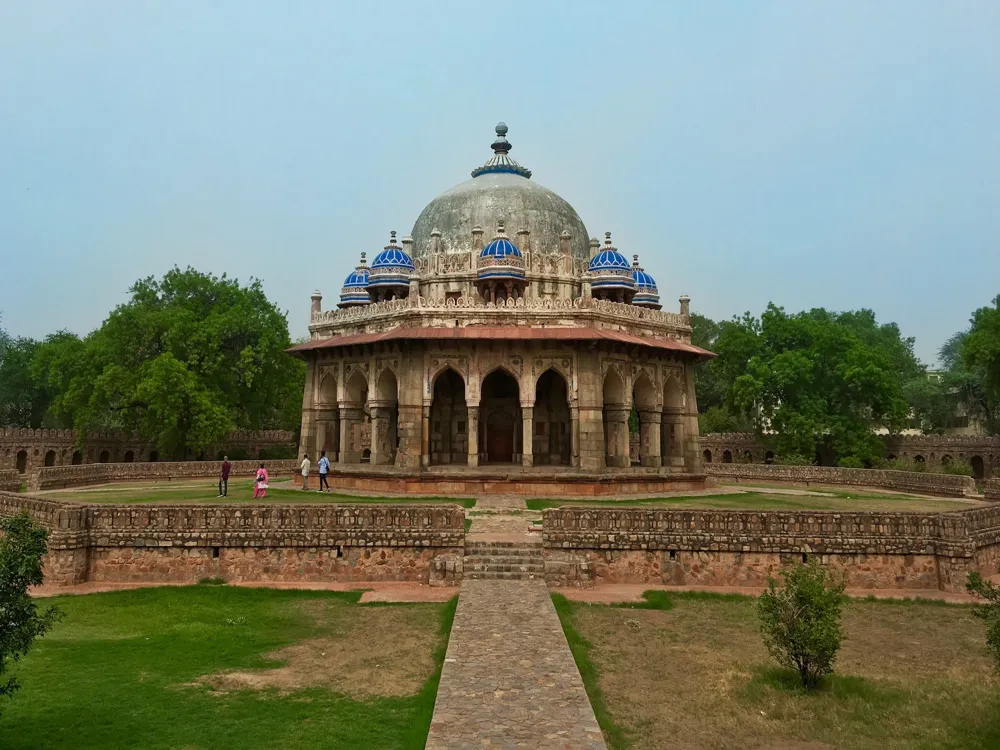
point(324, 468)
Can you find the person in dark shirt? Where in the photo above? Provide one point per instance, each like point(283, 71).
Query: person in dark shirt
point(224, 477)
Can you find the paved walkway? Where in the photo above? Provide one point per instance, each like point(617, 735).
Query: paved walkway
point(509, 679)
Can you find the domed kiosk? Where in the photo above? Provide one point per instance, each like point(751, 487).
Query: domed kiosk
point(499, 349)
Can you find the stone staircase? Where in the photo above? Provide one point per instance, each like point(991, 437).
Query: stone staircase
point(511, 561)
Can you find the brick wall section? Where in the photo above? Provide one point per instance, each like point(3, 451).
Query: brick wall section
point(874, 550)
point(992, 490)
point(10, 480)
point(59, 477)
point(118, 543)
point(942, 485)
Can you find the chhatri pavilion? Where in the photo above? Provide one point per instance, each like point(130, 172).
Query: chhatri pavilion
point(499, 339)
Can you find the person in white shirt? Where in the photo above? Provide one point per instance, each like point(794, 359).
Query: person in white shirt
point(305, 473)
point(324, 469)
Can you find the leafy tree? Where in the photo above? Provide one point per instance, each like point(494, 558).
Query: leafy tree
point(821, 381)
point(988, 612)
point(800, 621)
point(980, 352)
point(23, 401)
point(22, 545)
point(932, 403)
point(187, 359)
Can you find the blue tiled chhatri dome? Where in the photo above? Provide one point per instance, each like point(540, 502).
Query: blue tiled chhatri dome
point(610, 271)
point(355, 290)
point(391, 268)
point(646, 293)
point(501, 259)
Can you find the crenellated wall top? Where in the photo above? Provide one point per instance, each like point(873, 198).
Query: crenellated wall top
point(381, 310)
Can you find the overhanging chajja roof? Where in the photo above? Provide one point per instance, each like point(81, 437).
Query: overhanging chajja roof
point(502, 333)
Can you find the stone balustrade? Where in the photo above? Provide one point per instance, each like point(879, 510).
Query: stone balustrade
point(10, 480)
point(59, 477)
point(925, 483)
point(735, 547)
point(991, 490)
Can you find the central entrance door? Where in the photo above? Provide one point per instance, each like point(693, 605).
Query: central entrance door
point(500, 412)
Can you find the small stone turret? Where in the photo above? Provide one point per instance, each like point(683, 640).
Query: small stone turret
point(685, 304)
point(317, 304)
point(595, 247)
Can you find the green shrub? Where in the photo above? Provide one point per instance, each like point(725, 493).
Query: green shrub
point(906, 464)
point(800, 621)
point(989, 612)
point(960, 468)
point(850, 462)
point(792, 459)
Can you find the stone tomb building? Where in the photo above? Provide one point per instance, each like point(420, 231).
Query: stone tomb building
point(498, 334)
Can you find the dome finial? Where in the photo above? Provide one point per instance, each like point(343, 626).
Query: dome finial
point(635, 261)
point(501, 162)
point(607, 239)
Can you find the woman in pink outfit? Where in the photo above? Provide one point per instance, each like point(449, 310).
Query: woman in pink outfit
point(260, 484)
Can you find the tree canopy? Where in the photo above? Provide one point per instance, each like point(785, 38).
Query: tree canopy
point(187, 359)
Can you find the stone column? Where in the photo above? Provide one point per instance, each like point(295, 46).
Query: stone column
point(472, 435)
point(350, 451)
point(617, 441)
point(528, 436)
point(649, 437)
point(307, 434)
point(574, 436)
point(425, 435)
point(381, 451)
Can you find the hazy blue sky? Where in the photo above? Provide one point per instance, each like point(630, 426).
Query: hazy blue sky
point(841, 154)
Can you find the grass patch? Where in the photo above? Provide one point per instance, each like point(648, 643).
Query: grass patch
point(468, 525)
point(220, 666)
point(212, 581)
point(911, 674)
point(614, 735)
point(652, 599)
point(765, 501)
point(242, 492)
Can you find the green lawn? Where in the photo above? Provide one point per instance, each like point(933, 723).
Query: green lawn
point(239, 492)
point(769, 501)
point(693, 668)
point(215, 666)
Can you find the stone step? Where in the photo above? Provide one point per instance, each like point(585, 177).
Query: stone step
point(501, 560)
point(503, 576)
point(479, 543)
point(495, 568)
point(502, 552)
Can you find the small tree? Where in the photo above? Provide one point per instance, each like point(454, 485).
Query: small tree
point(989, 612)
point(801, 621)
point(22, 545)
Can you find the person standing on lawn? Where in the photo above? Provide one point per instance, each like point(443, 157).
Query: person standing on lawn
point(224, 477)
point(305, 472)
point(260, 483)
point(324, 469)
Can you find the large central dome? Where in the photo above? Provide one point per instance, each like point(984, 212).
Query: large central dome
point(500, 189)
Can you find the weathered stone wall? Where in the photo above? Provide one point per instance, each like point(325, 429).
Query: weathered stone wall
point(119, 543)
point(945, 485)
point(58, 477)
point(10, 480)
point(26, 450)
point(982, 452)
point(873, 550)
point(992, 490)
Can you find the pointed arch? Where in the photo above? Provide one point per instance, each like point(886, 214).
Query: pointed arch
point(500, 426)
point(449, 418)
point(616, 417)
point(551, 438)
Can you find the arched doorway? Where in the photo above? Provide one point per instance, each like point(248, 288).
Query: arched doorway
point(22, 461)
point(327, 419)
point(77, 458)
point(616, 412)
point(104, 457)
point(500, 419)
point(353, 418)
point(978, 469)
point(385, 419)
point(672, 423)
point(50, 458)
point(647, 421)
point(706, 456)
point(129, 457)
point(551, 439)
point(727, 457)
point(154, 456)
point(449, 420)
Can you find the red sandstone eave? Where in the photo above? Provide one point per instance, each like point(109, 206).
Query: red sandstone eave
point(501, 333)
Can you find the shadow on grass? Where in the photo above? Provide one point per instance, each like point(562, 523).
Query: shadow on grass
point(846, 688)
point(614, 735)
